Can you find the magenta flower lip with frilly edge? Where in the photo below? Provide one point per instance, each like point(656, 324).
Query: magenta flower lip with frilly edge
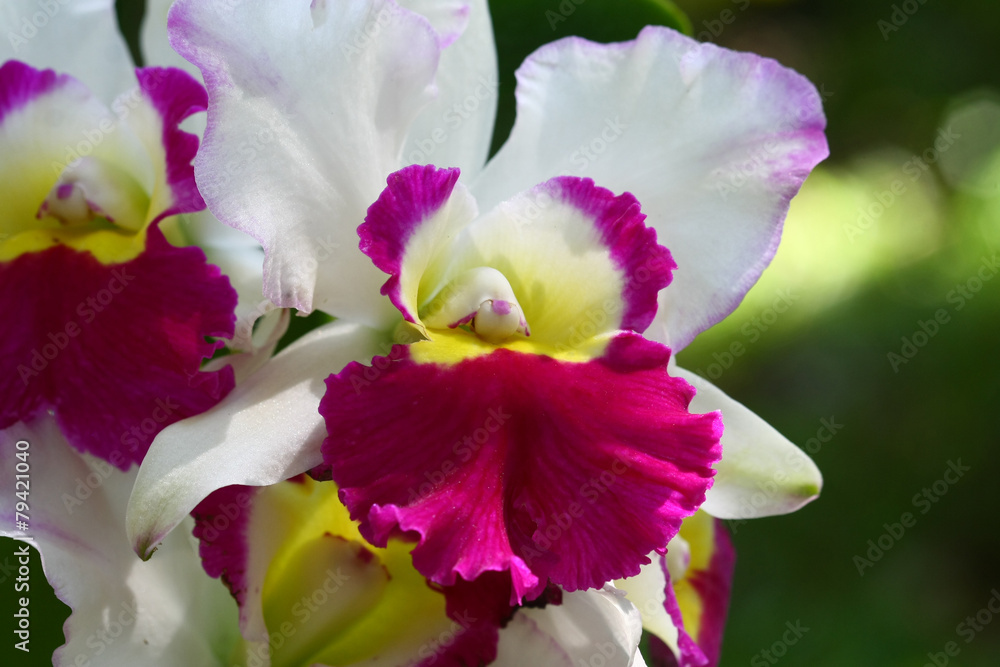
point(570, 470)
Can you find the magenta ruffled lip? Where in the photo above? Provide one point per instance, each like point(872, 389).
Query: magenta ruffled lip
point(520, 463)
point(114, 350)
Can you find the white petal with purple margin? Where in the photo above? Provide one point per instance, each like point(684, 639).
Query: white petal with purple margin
point(713, 143)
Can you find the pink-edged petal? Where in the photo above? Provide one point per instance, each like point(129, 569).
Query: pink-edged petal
point(456, 129)
point(648, 590)
point(267, 430)
point(684, 595)
point(114, 350)
point(761, 472)
point(598, 627)
point(703, 594)
point(519, 462)
point(165, 97)
point(293, 158)
point(714, 144)
point(578, 258)
point(407, 231)
point(49, 121)
point(290, 547)
point(71, 162)
point(80, 38)
point(161, 614)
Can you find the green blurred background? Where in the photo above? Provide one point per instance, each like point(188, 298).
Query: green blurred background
point(896, 77)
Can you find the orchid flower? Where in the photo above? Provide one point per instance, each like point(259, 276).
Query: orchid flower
point(100, 305)
point(311, 591)
point(617, 150)
point(106, 329)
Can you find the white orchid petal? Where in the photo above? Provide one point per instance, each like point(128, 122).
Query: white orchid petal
point(588, 626)
point(457, 128)
point(162, 613)
point(267, 430)
point(80, 38)
point(309, 111)
point(761, 472)
point(647, 591)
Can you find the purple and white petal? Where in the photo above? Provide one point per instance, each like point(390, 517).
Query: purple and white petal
point(51, 122)
point(94, 334)
point(714, 144)
point(580, 259)
point(166, 97)
point(410, 229)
